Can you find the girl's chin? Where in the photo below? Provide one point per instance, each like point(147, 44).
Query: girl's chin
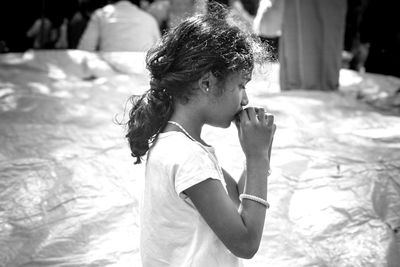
point(224, 125)
point(228, 124)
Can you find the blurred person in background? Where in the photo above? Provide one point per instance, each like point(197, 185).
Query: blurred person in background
point(32, 24)
point(268, 24)
point(79, 20)
point(246, 10)
point(169, 13)
point(181, 9)
point(159, 9)
point(243, 10)
point(120, 26)
point(355, 52)
point(380, 33)
point(311, 45)
point(48, 30)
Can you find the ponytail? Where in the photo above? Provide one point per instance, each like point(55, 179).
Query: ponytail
point(149, 115)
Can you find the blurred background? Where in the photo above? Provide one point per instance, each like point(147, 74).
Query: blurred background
point(369, 39)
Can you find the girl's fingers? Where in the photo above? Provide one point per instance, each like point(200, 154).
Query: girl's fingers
point(251, 113)
point(270, 119)
point(243, 116)
point(261, 115)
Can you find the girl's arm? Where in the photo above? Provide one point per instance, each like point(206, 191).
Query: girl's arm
point(241, 232)
point(234, 188)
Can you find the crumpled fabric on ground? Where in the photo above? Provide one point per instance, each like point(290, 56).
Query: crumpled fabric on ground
point(69, 192)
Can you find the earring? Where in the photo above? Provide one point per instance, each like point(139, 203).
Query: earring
point(207, 89)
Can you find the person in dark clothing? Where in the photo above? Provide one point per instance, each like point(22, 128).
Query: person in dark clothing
point(16, 18)
point(380, 30)
point(352, 43)
point(32, 24)
point(311, 44)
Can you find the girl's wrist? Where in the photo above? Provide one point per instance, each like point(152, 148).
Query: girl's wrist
point(257, 158)
point(258, 163)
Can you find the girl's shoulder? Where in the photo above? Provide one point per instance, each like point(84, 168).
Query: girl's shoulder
point(174, 150)
point(176, 146)
point(176, 140)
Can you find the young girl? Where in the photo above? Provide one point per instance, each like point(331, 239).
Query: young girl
point(193, 212)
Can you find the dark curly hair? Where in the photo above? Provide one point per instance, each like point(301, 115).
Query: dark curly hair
point(200, 44)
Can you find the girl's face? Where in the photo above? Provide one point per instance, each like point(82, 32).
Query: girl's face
point(223, 108)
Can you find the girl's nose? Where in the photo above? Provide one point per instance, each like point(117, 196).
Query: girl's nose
point(245, 100)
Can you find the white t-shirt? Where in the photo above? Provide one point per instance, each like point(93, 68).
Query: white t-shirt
point(121, 26)
point(173, 233)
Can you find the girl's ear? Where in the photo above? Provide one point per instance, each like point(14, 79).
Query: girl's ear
point(207, 82)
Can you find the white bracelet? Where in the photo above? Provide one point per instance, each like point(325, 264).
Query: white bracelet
point(254, 198)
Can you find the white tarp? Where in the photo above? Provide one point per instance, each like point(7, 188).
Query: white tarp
point(69, 191)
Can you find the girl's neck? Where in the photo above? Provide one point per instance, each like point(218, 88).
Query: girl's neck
point(190, 121)
point(191, 127)
point(190, 117)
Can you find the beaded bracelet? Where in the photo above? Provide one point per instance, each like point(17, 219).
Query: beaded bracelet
point(254, 198)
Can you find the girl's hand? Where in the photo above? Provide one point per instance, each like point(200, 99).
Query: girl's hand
point(256, 131)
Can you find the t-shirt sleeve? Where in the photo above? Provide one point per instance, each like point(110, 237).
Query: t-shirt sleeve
point(193, 169)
